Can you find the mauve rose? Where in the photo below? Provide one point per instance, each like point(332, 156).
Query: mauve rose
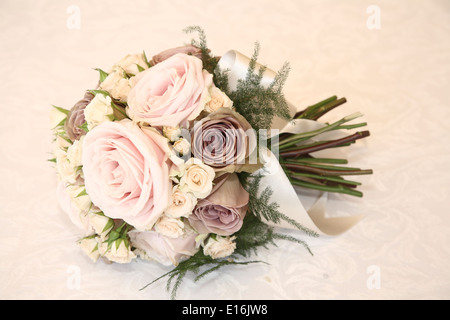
point(154, 246)
point(75, 118)
point(223, 211)
point(166, 54)
point(126, 172)
point(171, 93)
point(224, 140)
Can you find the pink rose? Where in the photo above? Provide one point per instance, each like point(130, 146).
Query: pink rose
point(165, 250)
point(171, 93)
point(126, 172)
point(223, 211)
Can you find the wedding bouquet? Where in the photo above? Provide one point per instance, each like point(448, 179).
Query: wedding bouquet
point(191, 160)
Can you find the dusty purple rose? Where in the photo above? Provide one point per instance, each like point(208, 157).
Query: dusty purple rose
point(224, 140)
point(223, 211)
point(188, 49)
point(75, 118)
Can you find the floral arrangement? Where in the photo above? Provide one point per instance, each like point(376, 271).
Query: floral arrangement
point(163, 160)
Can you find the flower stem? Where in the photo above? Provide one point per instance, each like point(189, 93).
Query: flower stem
point(296, 138)
point(323, 109)
point(306, 113)
point(338, 189)
point(315, 160)
point(301, 150)
point(330, 171)
point(335, 179)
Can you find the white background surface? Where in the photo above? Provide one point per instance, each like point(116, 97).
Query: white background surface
point(398, 76)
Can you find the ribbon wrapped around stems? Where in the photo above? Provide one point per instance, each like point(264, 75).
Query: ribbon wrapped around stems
point(307, 208)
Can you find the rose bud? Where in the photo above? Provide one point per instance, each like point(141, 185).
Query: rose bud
point(75, 118)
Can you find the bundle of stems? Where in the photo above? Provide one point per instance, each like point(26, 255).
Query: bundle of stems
point(325, 174)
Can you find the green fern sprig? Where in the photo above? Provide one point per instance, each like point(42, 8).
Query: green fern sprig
point(257, 103)
point(195, 264)
point(261, 206)
point(209, 61)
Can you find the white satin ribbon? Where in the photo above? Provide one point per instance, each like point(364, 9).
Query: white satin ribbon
point(307, 208)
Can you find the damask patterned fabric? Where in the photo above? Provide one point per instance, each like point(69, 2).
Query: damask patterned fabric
point(390, 59)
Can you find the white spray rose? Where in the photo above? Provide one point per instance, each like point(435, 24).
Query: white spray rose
point(172, 133)
point(198, 178)
point(118, 86)
point(182, 147)
point(74, 152)
point(219, 247)
point(130, 63)
point(119, 251)
point(89, 245)
point(218, 100)
point(66, 171)
point(170, 227)
point(181, 204)
point(77, 194)
point(101, 223)
point(98, 110)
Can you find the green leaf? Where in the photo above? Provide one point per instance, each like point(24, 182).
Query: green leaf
point(103, 92)
point(140, 68)
point(65, 111)
point(95, 248)
point(120, 110)
point(108, 225)
point(113, 235)
point(63, 136)
point(103, 74)
point(261, 206)
point(82, 193)
point(84, 126)
point(146, 60)
point(127, 75)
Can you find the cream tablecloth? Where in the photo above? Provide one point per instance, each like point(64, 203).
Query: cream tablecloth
point(390, 59)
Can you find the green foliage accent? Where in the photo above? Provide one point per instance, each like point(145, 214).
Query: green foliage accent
point(82, 193)
point(146, 60)
point(118, 235)
point(84, 127)
point(140, 68)
point(194, 264)
point(103, 74)
point(257, 103)
point(65, 111)
point(103, 92)
point(260, 205)
point(119, 111)
point(209, 61)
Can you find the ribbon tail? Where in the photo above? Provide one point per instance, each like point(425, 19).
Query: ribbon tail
point(292, 204)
